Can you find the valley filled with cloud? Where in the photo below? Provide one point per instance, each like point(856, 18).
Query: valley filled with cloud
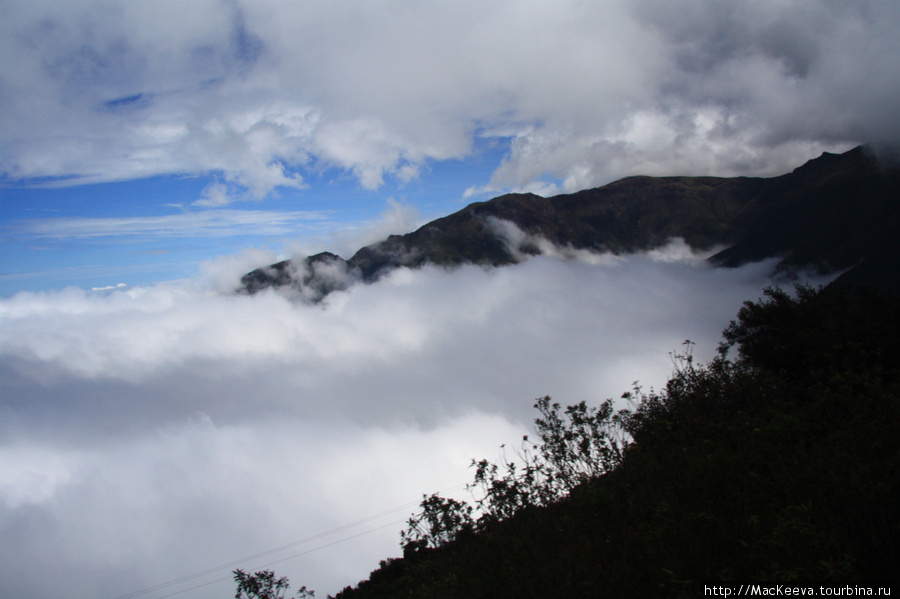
point(158, 432)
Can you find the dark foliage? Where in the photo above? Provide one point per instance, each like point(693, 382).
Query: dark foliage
point(441, 520)
point(264, 585)
point(780, 462)
point(575, 446)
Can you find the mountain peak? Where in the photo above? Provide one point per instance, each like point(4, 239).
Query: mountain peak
point(832, 213)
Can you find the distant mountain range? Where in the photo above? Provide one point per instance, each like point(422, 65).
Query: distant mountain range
point(838, 212)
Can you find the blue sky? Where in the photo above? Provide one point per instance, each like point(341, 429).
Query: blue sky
point(269, 111)
point(149, 230)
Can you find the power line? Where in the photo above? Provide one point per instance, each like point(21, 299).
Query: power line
point(284, 559)
point(315, 537)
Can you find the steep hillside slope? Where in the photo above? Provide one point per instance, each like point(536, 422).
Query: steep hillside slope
point(779, 464)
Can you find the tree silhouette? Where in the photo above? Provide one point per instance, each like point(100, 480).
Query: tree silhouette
point(264, 585)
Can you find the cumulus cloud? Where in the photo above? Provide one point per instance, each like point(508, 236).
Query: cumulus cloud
point(263, 92)
point(151, 433)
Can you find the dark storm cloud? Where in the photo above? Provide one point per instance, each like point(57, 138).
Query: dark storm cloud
point(795, 70)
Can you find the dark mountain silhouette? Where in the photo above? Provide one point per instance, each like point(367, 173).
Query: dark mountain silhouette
point(834, 213)
point(838, 212)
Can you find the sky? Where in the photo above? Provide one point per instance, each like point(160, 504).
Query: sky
point(155, 428)
point(138, 139)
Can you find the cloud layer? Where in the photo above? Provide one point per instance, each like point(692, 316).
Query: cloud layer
point(266, 92)
point(153, 433)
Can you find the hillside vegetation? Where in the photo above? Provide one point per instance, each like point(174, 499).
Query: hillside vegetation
point(777, 461)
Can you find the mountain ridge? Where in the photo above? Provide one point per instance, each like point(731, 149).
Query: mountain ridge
point(837, 212)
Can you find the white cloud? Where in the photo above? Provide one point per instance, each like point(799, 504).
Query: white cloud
point(214, 195)
point(169, 502)
point(261, 91)
point(155, 432)
point(208, 223)
point(396, 219)
point(365, 147)
point(223, 274)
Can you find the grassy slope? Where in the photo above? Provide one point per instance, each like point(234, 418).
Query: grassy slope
point(782, 463)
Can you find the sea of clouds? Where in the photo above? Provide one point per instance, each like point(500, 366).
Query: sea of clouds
point(153, 433)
